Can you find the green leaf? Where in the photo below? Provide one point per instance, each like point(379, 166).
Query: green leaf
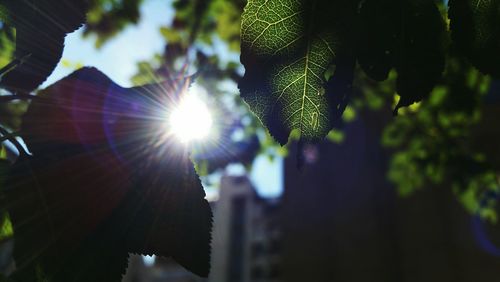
point(475, 30)
point(103, 182)
point(287, 48)
point(405, 35)
point(6, 231)
point(41, 26)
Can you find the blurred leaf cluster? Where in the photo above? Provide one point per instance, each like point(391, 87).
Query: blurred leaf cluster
point(434, 143)
point(106, 18)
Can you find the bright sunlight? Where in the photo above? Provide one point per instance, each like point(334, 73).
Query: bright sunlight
point(191, 120)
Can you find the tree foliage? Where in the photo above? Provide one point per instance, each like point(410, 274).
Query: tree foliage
point(101, 181)
point(440, 143)
point(289, 49)
point(416, 48)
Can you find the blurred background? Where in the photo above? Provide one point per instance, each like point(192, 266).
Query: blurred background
point(383, 198)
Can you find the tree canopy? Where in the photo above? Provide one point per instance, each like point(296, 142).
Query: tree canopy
point(94, 176)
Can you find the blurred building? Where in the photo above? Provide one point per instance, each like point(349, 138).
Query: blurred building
point(246, 240)
point(246, 244)
point(343, 221)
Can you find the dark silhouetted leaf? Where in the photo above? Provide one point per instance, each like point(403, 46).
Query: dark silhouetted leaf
point(339, 86)
point(168, 215)
point(41, 26)
point(475, 30)
point(407, 36)
point(103, 181)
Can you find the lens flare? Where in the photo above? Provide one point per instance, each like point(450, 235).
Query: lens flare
point(191, 120)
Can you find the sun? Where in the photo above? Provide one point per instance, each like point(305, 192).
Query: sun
point(191, 120)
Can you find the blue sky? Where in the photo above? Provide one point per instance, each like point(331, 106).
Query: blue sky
point(118, 57)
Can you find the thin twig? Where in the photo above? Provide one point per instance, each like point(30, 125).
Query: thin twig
point(14, 141)
point(14, 64)
point(8, 136)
